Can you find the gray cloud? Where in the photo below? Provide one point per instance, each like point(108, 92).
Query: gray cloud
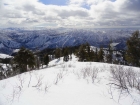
point(132, 5)
point(68, 13)
point(28, 7)
point(103, 13)
point(12, 14)
point(29, 20)
point(117, 15)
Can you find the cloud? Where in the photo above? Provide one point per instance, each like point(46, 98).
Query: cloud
point(115, 13)
point(66, 12)
point(100, 13)
point(132, 5)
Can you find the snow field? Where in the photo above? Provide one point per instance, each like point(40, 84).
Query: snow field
point(70, 83)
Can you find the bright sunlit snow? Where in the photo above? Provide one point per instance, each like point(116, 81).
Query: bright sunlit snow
point(65, 84)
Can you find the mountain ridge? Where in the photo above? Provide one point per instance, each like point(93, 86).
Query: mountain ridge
point(11, 39)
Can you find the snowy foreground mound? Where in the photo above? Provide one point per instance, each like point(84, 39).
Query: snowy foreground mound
point(71, 83)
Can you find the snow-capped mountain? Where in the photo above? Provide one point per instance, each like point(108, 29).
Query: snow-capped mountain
point(14, 38)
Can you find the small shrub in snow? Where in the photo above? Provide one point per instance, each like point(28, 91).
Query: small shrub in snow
point(64, 68)
point(21, 80)
point(89, 72)
point(46, 87)
point(125, 78)
point(39, 82)
point(71, 65)
point(59, 76)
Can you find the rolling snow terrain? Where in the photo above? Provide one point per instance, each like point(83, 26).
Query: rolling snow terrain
point(67, 83)
point(13, 38)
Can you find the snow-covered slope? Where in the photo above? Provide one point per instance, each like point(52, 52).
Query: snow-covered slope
point(66, 84)
point(51, 38)
point(4, 56)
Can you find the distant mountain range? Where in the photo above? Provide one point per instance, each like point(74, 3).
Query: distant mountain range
point(14, 38)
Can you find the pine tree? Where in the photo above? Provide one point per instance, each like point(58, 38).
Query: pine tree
point(101, 55)
point(92, 55)
point(87, 47)
point(46, 59)
point(37, 62)
point(88, 52)
point(58, 53)
point(84, 53)
point(109, 56)
point(66, 54)
point(133, 49)
point(96, 56)
point(24, 58)
point(81, 53)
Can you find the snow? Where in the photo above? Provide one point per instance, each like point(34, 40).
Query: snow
point(16, 50)
point(62, 83)
point(4, 56)
point(113, 44)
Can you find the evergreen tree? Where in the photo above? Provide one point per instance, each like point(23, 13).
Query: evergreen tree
point(133, 49)
point(66, 54)
point(110, 53)
point(101, 55)
point(87, 48)
point(24, 58)
point(81, 53)
point(88, 52)
point(41, 59)
point(6, 60)
point(92, 55)
point(46, 59)
point(37, 62)
point(58, 53)
point(96, 56)
point(84, 53)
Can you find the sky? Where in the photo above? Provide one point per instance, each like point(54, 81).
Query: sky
point(70, 13)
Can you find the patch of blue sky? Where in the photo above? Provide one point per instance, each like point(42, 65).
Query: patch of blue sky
point(6, 4)
point(86, 6)
point(54, 2)
point(113, 0)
